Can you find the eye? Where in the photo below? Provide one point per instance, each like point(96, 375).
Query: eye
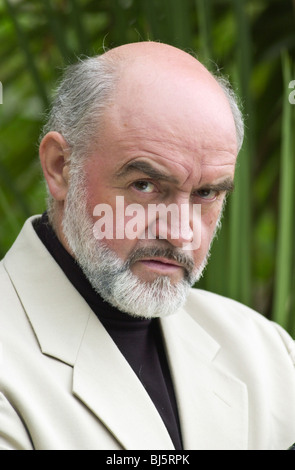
point(144, 186)
point(207, 194)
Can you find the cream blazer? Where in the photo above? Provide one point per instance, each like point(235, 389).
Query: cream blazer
point(65, 385)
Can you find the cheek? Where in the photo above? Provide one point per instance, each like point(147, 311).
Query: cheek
point(211, 215)
point(118, 231)
point(209, 221)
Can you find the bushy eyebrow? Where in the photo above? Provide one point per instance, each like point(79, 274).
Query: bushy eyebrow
point(227, 185)
point(147, 169)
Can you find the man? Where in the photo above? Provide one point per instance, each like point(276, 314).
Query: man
point(104, 343)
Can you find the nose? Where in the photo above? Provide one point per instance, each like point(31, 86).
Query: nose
point(177, 223)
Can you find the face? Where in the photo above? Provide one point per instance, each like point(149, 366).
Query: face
point(176, 146)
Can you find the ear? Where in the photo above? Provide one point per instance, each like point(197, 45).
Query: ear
point(53, 153)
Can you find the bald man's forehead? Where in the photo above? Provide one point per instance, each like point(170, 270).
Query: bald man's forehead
point(167, 94)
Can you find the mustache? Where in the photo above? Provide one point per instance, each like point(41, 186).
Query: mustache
point(172, 254)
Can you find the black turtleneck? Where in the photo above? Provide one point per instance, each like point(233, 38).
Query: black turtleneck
point(139, 340)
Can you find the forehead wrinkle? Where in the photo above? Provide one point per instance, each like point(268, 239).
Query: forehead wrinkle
point(171, 138)
point(217, 165)
point(202, 152)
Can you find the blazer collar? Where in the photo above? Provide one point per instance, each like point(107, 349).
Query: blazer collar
point(212, 404)
point(57, 312)
point(106, 383)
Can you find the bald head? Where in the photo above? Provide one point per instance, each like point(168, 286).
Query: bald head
point(143, 63)
point(170, 92)
point(146, 80)
point(89, 86)
point(149, 50)
point(146, 64)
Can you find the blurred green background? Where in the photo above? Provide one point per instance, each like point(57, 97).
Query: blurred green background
point(252, 42)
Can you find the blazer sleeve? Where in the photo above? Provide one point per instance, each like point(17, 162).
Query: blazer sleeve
point(13, 434)
point(288, 342)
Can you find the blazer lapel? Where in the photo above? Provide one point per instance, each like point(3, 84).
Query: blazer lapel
point(213, 406)
point(106, 383)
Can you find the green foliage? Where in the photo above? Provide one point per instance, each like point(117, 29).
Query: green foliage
point(252, 42)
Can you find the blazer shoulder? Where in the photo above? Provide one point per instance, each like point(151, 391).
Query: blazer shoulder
point(212, 302)
point(225, 318)
point(201, 302)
